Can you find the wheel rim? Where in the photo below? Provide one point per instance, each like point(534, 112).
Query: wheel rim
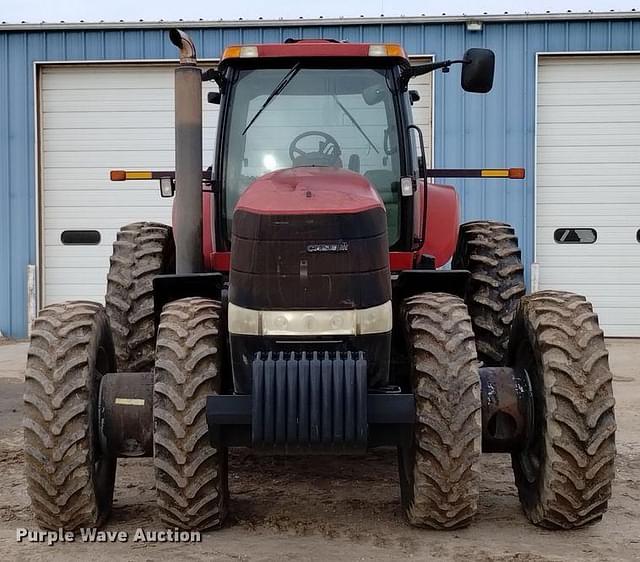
point(103, 465)
point(406, 467)
point(531, 456)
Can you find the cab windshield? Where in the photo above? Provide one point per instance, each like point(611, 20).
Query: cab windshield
point(342, 118)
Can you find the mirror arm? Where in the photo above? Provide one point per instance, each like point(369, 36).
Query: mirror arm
point(413, 71)
point(213, 74)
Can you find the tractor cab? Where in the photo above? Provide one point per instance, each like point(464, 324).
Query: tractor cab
point(323, 104)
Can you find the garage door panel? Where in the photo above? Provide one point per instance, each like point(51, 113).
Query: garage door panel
point(623, 293)
point(112, 77)
point(92, 261)
point(130, 158)
point(556, 252)
point(72, 291)
point(560, 171)
point(557, 194)
point(100, 78)
point(102, 197)
point(75, 101)
point(596, 273)
point(622, 69)
point(59, 252)
point(607, 182)
point(588, 139)
point(68, 275)
point(116, 119)
point(588, 176)
point(121, 139)
point(553, 129)
point(632, 259)
point(102, 217)
point(623, 155)
point(622, 113)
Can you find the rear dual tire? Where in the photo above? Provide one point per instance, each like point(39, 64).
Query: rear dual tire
point(141, 251)
point(564, 472)
point(489, 250)
point(69, 478)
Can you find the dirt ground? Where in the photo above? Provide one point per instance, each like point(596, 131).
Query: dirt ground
point(334, 508)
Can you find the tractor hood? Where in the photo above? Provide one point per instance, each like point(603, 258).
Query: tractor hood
point(309, 190)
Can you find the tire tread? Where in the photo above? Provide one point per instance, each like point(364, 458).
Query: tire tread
point(191, 479)
point(446, 385)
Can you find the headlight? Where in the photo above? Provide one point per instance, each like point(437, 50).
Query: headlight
point(374, 320)
point(243, 320)
point(302, 323)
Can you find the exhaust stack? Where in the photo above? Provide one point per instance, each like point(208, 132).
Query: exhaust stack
point(187, 211)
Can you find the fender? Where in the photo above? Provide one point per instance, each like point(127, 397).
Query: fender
point(443, 220)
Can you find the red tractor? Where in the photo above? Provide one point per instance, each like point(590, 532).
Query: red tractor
point(299, 306)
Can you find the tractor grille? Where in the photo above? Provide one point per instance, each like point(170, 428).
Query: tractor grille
point(310, 401)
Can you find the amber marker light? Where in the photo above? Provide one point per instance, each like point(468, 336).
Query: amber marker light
point(122, 175)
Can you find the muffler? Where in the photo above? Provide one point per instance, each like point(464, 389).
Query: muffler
point(187, 210)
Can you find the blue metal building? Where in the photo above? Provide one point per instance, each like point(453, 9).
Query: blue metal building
point(469, 131)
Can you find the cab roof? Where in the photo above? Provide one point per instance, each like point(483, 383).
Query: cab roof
point(314, 48)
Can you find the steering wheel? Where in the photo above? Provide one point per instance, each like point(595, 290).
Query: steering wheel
point(328, 153)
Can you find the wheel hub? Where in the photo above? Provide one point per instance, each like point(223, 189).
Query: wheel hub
point(507, 409)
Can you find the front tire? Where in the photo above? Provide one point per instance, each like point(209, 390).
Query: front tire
point(564, 473)
point(439, 472)
point(69, 479)
point(191, 476)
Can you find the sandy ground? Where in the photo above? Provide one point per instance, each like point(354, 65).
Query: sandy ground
point(334, 508)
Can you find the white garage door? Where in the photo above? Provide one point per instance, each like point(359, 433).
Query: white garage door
point(94, 119)
point(102, 117)
point(588, 184)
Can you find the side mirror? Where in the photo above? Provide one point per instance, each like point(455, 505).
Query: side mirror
point(373, 95)
point(477, 70)
point(213, 97)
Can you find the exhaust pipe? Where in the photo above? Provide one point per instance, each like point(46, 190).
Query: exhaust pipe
point(187, 211)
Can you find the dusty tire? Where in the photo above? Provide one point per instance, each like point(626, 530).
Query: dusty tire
point(489, 250)
point(439, 474)
point(564, 474)
point(141, 251)
point(69, 481)
point(191, 476)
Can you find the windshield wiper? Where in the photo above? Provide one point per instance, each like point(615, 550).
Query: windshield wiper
point(281, 86)
point(353, 120)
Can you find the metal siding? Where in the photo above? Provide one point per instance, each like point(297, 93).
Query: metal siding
point(470, 130)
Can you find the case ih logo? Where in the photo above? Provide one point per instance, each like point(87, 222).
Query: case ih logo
point(337, 247)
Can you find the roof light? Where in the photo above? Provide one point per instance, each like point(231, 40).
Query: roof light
point(386, 50)
point(377, 51)
point(248, 51)
point(240, 51)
